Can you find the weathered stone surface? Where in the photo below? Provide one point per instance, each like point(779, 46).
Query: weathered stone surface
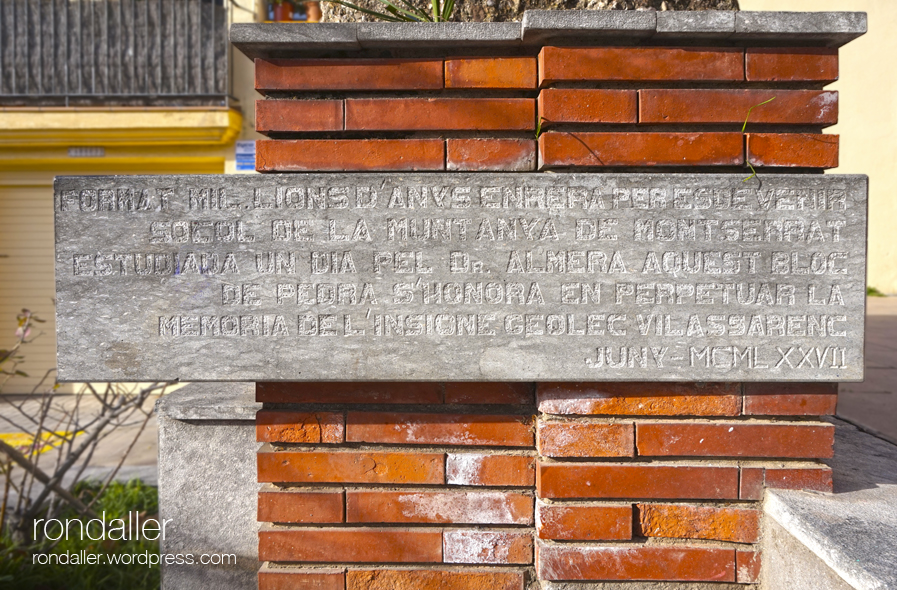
point(563, 277)
point(537, 27)
point(270, 39)
point(814, 540)
point(378, 34)
point(705, 24)
point(512, 10)
point(832, 28)
point(545, 26)
point(207, 483)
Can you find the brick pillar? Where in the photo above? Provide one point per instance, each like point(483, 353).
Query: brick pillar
point(504, 485)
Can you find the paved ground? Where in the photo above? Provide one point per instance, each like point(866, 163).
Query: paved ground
point(872, 405)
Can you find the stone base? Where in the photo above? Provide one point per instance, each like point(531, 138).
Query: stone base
point(207, 484)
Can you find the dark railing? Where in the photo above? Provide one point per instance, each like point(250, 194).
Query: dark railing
point(113, 52)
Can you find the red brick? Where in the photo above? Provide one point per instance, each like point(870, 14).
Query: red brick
point(413, 506)
point(794, 404)
point(495, 393)
point(791, 64)
point(558, 105)
point(517, 73)
point(439, 429)
point(586, 439)
point(299, 427)
point(678, 521)
point(337, 155)
point(600, 149)
point(301, 579)
point(297, 116)
point(350, 467)
point(779, 388)
point(488, 546)
point(382, 579)
point(474, 469)
point(350, 545)
point(440, 114)
point(563, 522)
point(557, 64)
point(754, 479)
point(300, 507)
point(751, 483)
point(348, 393)
point(481, 155)
point(348, 74)
point(747, 567)
point(735, 439)
point(793, 107)
point(793, 150)
point(640, 399)
point(799, 479)
point(607, 480)
point(674, 564)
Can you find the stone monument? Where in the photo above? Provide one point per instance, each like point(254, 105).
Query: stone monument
point(523, 302)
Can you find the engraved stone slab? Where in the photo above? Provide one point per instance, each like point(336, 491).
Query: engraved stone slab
point(650, 277)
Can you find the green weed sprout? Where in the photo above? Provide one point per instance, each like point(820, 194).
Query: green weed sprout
point(743, 127)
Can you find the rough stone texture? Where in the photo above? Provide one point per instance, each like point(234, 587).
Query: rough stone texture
point(271, 39)
point(264, 307)
point(850, 531)
point(707, 24)
point(398, 35)
point(791, 564)
point(548, 26)
point(206, 462)
point(831, 28)
point(510, 10)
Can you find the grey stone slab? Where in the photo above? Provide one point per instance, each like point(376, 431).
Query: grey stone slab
point(788, 564)
point(430, 35)
point(853, 530)
point(207, 488)
point(702, 24)
point(564, 26)
point(451, 276)
point(830, 28)
point(211, 401)
point(272, 40)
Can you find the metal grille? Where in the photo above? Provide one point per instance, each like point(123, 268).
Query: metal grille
point(121, 52)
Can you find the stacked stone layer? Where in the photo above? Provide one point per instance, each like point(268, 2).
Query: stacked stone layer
point(496, 485)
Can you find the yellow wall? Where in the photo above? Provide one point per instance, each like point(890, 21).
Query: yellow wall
point(34, 148)
point(868, 120)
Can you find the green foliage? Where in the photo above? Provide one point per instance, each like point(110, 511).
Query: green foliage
point(405, 11)
point(17, 572)
point(873, 292)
